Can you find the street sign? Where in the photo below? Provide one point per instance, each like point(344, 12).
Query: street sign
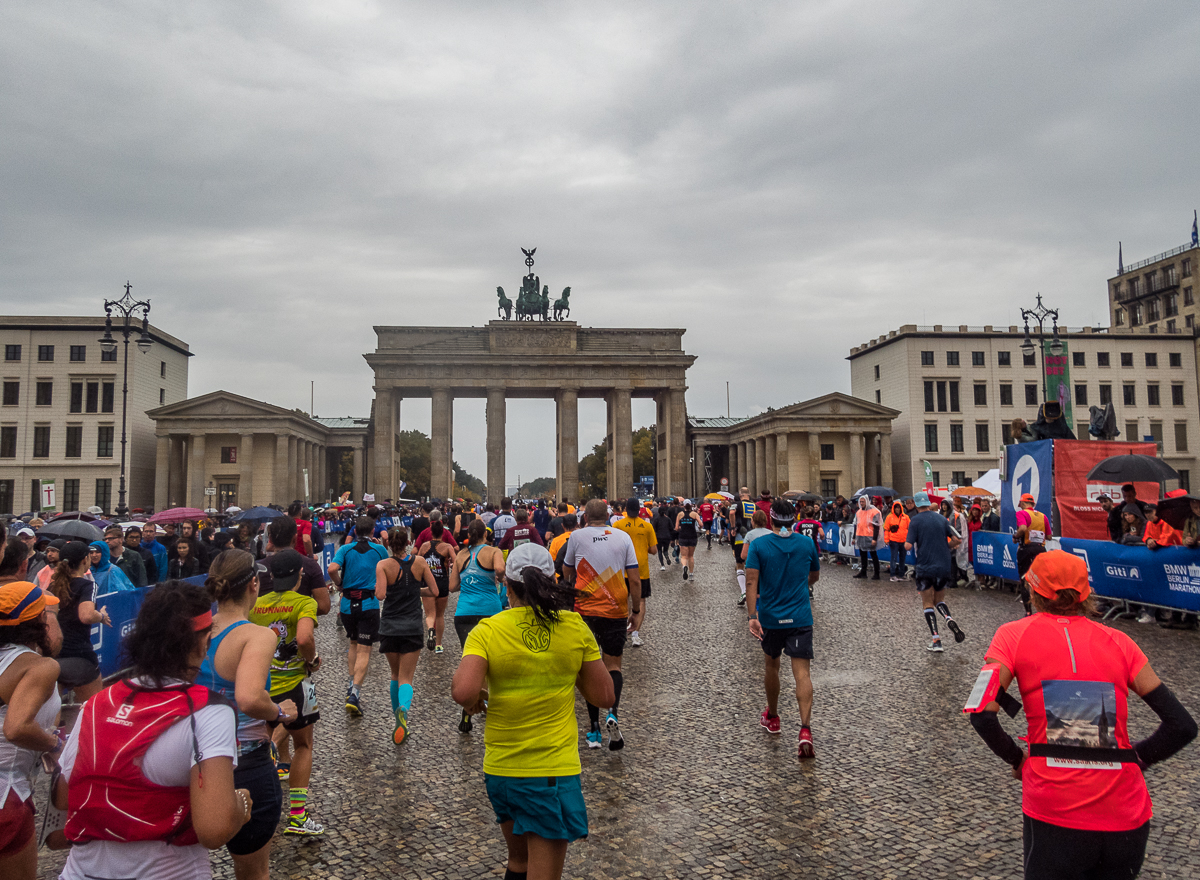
point(48, 495)
point(210, 490)
point(724, 482)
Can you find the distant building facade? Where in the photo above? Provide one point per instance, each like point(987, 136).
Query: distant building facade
point(1157, 294)
point(60, 414)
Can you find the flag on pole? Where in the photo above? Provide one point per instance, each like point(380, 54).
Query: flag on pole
point(1120, 260)
point(1195, 231)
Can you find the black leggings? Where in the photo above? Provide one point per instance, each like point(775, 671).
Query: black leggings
point(464, 624)
point(1056, 853)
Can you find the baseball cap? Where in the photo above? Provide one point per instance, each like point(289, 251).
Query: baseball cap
point(1057, 570)
point(22, 601)
point(921, 499)
point(74, 552)
point(285, 567)
point(1027, 498)
point(523, 557)
point(26, 532)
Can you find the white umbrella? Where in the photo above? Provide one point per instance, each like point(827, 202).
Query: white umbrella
point(727, 495)
point(95, 511)
point(212, 510)
point(233, 509)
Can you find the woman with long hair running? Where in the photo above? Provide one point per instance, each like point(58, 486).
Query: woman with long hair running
point(688, 526)
point(238, 667)
point(525, 663)
point(401, 581)
point(79, 667)
point(478, 576)
point(150, 794)
point(439, 557)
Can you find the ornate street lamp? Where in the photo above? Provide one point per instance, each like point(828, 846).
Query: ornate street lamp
point(127, 309)
point(1040, 313)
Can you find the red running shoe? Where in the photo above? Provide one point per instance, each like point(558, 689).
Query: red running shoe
point(770, 722)
point(806, 745)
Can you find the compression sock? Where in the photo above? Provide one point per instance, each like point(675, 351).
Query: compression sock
point(354, 689)
point(593, 714)
point(943, 609)
point(510, 874)
point(931, 619)
point(394, 693)
point(297, 798)
point(404, 697)
point(618, 682)
point(741, 576)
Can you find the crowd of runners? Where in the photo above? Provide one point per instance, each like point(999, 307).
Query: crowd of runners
point(209, 735)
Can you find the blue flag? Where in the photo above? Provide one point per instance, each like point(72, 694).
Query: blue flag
point(1195, 231)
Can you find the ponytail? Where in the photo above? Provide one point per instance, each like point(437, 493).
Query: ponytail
point(60, 581)
point(542, 593)
point(398, 539)
point(436, 529)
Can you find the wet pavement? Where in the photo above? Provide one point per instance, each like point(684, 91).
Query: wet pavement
point(901, 786)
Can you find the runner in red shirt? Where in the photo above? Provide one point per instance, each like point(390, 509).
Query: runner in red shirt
point(706, 516)
point(1084, 798)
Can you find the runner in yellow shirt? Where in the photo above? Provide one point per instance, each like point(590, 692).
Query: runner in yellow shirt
point(644, 543)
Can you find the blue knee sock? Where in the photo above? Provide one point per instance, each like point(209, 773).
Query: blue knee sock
point(404, 695)
point(394, 693)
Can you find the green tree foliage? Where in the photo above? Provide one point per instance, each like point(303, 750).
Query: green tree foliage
point(645, 452)
point(467, 485)
point(542, 487)
point(593, 468)
point(414, 467)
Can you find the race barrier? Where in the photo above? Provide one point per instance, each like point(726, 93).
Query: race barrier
point(122, 608)
point(841, 541)
point(994, 554)
point(1166, 578)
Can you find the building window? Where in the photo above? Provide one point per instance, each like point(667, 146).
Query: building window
point(931, 438)
point(1119, 317)
point(982, 441)
point(936, 476)
point(929, 407)
point(1181, 437)
point(1129, 394)
point(104, 493)
point(1081, 395)
point(826, 452)
point(1187, 268)
point(959, 478)
point(1006, 437)
point(8, 441)
point(93, 397)
point(78, 353)
point(1175, 359)
point(981, 395)
point(70, 495)
point(1006, 398)
point(1004, 358)
point(1176, 395)
point(941, 396)
point(74, 441)
point(108, 355)
point(76, 399)
point(954, 397)
point(1152, 312)
point(1131, 431)
point(978, 359)
point(1127, 359)
point(1028, 358)
point(1105, 394)
point(46, 353)
point(956, 438)
point(1185, 482)
point(876, 372)
point(1156, 434)
point(1189, 320)
point(878, 396)
point(1135, 315)
point(1031, 394)
point(12, 352)
point(952, 358)
point(44, 393)
point(228, 455)
point(162, 396)
point(829, 487)
point(162, 370)
point(1170, 305)
point(104, 441)
point(1078, 359)
point(41, 441)
point(1152, 398)
point(1151, 359)
point(12, 393)
point(1102, 358)
point(7, 487)
point(1082, 430)
point(927, 358)
point(1171, 328)
point(106, 397)
point(1188, 299)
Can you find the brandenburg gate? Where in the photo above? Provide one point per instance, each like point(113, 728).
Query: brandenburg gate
point(532, 359)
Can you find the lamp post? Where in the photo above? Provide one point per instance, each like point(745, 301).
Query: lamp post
point(1040, 313)
point(126, 308)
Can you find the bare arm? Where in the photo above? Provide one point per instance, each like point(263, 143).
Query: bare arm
point(596, 684)
point(467, 687)
point(250, 682)
point(88, 613)
point(382, 572)
point(32, 689)
point(321, 596)
point(218, 811)
point(752, 602)
point(335, 573)
point(305, 640)
point(421, 572)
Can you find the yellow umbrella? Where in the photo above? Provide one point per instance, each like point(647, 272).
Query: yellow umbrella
point(714, 496)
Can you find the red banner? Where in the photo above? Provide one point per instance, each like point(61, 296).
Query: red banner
point(1080, 514)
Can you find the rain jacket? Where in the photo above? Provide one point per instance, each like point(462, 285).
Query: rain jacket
point(895, 527)
point(108, 578)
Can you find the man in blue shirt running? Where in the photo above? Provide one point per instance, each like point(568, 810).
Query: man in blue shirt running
point(353, 569)
point(780, 568)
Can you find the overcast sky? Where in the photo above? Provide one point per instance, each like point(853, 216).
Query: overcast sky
point(784, 180)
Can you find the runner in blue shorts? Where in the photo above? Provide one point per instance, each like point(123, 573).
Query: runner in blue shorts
point(933, 538)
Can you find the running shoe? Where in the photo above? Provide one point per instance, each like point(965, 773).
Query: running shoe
point(636, 639)
point(305, 825)
point(401, 730)
point(685, 572)
point(959, 635)
point(769, 722)
point(352, 704)
point(595, 738)
point(464, 724)
point(284, 770)
point(662, 568)
point(935, 645)
point(274, 752)
point(430, 639)
point(805, 750)
point(439, 650)
point(615, 742)
point(742, 601)
point(894, 579)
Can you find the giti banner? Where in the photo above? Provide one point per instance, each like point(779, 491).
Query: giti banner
point(1058, 377)
point(1169, 577)
point(1080, 514)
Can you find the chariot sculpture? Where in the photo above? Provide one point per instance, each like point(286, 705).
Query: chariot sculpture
point(533, 299)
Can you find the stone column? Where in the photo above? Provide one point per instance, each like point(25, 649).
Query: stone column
point(177, 478)
point(677, 445)
point(751, 470)
point(797, 462)
point(567, 417)
point(197, 473)
point(279, 470)
point(496, 416)
point(621, 463)
point(885, 459)
point(356, 489)
point(700, 486)
point(247, 497)
point(857, 475)
point(293, 466)
point(782, 474)
point(162, 472)
point(442, 428)
point(770, 465)
point(814, 462)
point(383, 478)
point(871, 460)
point(733, 468)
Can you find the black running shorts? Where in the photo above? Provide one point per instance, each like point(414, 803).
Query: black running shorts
point(796, 642)
point(361, 625)
point(400, 644)
point(737, 552)
point(609, 633)
point(645, 587)
point(937, 584)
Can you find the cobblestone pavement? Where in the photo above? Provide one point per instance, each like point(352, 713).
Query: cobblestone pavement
point(901, 786)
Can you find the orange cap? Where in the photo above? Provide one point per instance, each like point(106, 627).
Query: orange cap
point(22, 601)
point(1027, 499)
point(1057, 570)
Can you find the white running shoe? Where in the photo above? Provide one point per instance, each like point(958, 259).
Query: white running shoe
point(935, 645)
point(636, 640)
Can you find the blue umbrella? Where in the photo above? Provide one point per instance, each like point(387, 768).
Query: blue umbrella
point(257, 515)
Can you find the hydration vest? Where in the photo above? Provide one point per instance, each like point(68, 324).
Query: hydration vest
point(1038, 529)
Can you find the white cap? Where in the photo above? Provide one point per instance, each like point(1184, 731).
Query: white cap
point(523, 557)
point(21, 533)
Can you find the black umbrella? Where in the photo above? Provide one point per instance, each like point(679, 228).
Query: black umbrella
point(1132, 469)
point(1175, 511)
point(256, 515)
point(74, 529)
point(882, 491)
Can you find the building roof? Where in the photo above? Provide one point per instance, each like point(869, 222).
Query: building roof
point(1150, 261)
point(715, 422)
point(342, 422)
point(83, 322)
point(963, 331)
